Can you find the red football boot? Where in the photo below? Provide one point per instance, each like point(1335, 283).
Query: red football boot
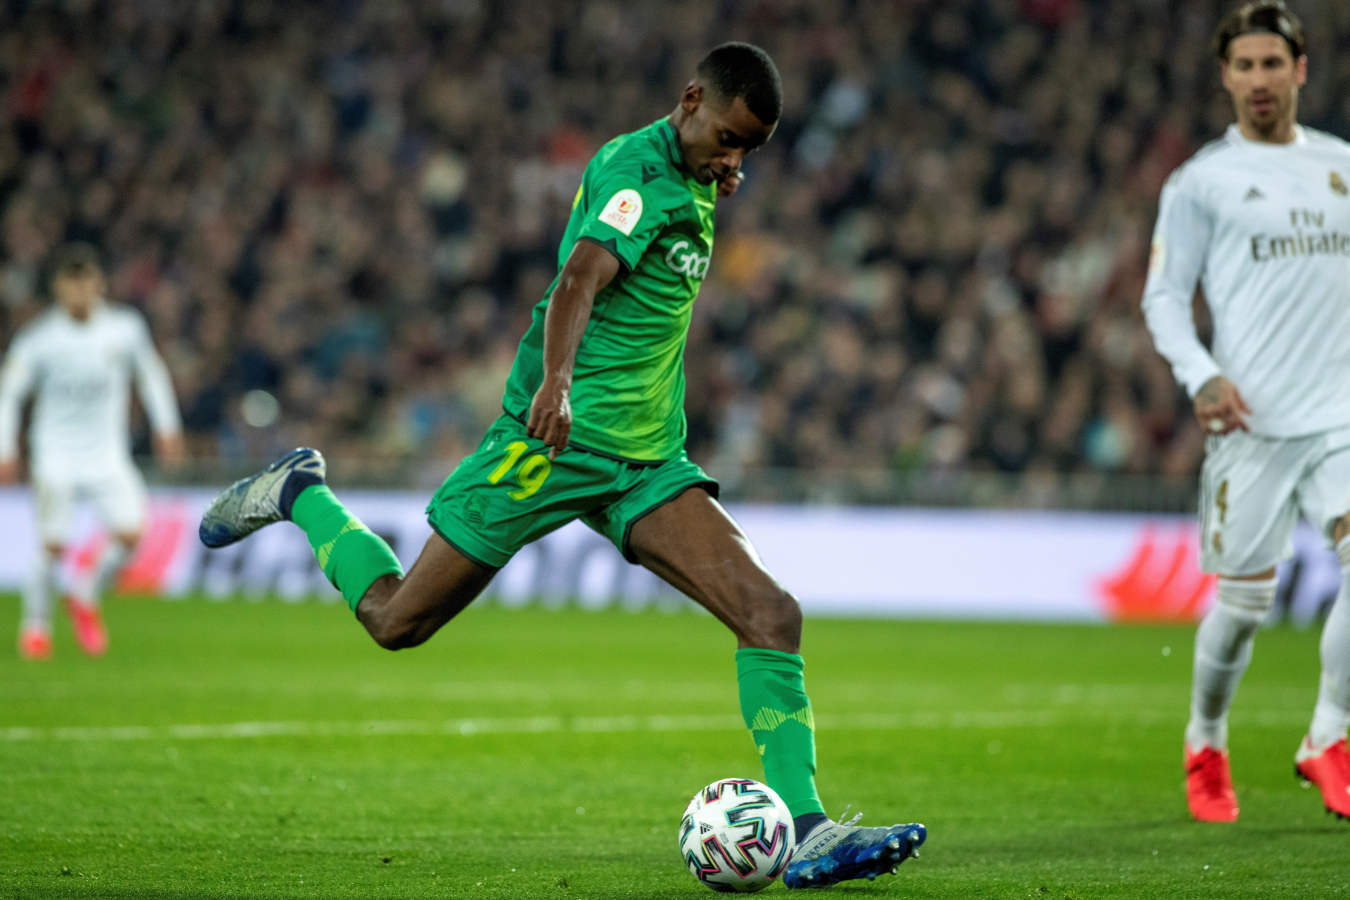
point(35, 642)
point(89, 630)
point(1329, 769)
point(1209, 786)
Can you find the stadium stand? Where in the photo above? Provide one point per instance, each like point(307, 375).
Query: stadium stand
point(932, 270)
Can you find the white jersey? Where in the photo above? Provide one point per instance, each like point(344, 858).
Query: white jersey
point(1265, 229)
point(81, 374)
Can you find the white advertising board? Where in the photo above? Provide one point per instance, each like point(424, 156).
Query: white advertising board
point(838, 561)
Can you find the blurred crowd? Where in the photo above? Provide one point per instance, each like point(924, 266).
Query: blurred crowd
point(350, 208)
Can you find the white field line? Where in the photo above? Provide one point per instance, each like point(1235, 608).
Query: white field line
point(468, 727)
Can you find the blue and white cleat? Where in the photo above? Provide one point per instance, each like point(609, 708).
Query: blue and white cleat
point(841, 851)
point(261, 499)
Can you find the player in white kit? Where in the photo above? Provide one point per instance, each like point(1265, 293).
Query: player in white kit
point(1261, 218)
point(78, 360)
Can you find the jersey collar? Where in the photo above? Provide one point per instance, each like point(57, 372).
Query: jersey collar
point(671, 139)
point(96, 312)
point(1236, 136)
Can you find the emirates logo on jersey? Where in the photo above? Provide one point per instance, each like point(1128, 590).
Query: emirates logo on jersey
point(1338, 183)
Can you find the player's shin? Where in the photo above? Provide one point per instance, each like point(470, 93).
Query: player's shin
point(350, 554)
point(38, 592)
point(1332, 714)
point(1223, 648)
point(778, 713)
point(110, 563)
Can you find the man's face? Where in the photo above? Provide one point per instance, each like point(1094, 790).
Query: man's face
point(717, 136)
point(77, 292)
point(1263, 78)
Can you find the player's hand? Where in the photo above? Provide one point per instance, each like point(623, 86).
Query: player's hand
point(727, 186)
point(1219, 408)
point(551, 416)
point(169, 450)
point(9, 471)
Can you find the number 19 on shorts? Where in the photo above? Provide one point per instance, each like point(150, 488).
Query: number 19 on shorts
point(531, 474)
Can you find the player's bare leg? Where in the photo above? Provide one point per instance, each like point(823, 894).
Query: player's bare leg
point(1322, 757)
point(404, 612)
point(1223, 649)
point(692, 543)
point(397, 610)
point(35, 629)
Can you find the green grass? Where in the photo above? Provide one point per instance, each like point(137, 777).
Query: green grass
point(1044, 759)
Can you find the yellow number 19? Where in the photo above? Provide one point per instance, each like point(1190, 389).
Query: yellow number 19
point(532, 473)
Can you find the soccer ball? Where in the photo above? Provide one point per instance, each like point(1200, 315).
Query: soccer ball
point(737, 835)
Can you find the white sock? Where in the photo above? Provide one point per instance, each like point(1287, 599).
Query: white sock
point(1332, 714)
point(110, 563)
point(37, 593)
point(1223, 648)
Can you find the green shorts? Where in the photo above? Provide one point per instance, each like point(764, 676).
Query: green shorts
point(508, 493)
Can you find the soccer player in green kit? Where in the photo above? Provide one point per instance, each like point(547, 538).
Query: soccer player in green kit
point(594, 428)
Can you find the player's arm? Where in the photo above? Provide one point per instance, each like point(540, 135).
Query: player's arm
point(156, 393)
point(1180, 241)
point(16, 380)
point(622, 213)
point(588, 269)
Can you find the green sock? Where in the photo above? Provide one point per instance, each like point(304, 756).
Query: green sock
point(350, 554)
point(778, 713)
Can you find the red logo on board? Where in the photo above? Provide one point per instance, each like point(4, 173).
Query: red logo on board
point(1161, 581)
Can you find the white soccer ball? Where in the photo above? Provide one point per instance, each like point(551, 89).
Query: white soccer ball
point(737, 835)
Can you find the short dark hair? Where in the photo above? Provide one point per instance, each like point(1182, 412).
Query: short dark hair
point(1261, 17)
point(76, 258)
point(743, 70)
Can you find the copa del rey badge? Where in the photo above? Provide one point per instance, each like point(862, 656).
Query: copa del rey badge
point(623, 210)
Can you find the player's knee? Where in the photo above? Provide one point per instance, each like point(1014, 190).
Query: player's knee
point(399, 639)
point(392, 634)
point(389, 630)
point(1246, 600)
point(774, 621)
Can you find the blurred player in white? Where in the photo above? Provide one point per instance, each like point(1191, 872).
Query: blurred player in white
point(78, 360)
point(1261, 218)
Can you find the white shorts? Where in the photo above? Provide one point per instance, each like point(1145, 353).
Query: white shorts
point(118, 498)
point(1252, 490)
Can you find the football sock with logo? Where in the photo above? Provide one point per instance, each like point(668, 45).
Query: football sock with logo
point(1332, 713)
point(350, 554)
point(1223, 648)
point(778, 713)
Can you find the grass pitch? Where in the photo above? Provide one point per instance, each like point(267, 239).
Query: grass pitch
point(268, 750)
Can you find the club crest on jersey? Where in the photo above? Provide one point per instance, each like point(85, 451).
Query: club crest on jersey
point(623, 210)
point(1338, 183)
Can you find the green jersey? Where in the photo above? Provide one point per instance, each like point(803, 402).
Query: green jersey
point(637, 201)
